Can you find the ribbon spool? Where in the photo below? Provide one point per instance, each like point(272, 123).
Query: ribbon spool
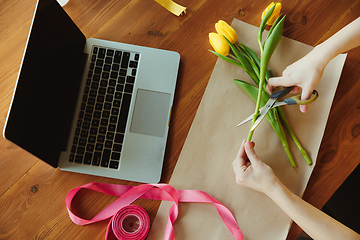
point(131, 222)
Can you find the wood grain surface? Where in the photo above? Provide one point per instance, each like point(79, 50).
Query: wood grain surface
point(32, 194)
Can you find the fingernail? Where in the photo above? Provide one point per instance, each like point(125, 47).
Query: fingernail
point(248, 144)
point(303, 108)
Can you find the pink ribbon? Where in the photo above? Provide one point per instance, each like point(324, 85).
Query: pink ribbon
point(130, 223)
point(128, 194)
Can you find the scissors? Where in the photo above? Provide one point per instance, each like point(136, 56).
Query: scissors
point(272, 104)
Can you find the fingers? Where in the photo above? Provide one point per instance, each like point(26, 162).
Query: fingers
point(241, 159)
point(241, 153)
point(277, 81)
point(251, 154)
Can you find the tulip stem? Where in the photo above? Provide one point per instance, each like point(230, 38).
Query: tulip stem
point(263, 69)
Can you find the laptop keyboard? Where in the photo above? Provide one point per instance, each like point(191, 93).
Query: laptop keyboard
point(105, 107)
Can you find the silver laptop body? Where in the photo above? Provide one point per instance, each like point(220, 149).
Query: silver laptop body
point(57, 116)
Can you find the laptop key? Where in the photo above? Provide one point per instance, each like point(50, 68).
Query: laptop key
point(106, 114)
point(87, 158)
point(107, 106)
point(86, 125)
point(115, 111)
point(115, 156)
point(110, 90)
point(101, 53)
point(125, 60)
point(90, 148)
point(115, 67)
point(95, 122)
point(105, 158)
point(114, 164)
point(129, 88)
point(117, 56)
point(118, 95)
point(101, 138)
point(110, 135)
point(71, 158)
point(107, 66)
point(125, 106)
point(108, 144)
point(92, 139)
point(130, 79)
point(119, 138)
point(110, 52)
point(112, 82)
point(82, 142)
point(78, 158)
point(96, 77)
point(102, 130)
point(99, 62)
point(112, 127)
point(73, 148)
point(84, 133)
point(108, 60)
point(96, 159)
point(97, 114)
point(99, 146)
point(117, 147)
point(116, 103)
point(80, 150)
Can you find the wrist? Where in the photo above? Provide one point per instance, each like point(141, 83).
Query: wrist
point(322, 55)
point(276, 189)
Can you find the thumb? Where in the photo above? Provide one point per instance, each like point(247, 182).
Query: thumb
point(305, 95)
point(251, 154)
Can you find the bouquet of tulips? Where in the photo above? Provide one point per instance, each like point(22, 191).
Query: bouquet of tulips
point(225, 46)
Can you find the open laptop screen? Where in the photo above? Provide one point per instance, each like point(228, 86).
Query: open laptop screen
point(48, 84)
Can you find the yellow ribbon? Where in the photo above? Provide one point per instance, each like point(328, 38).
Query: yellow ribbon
point(172, 7)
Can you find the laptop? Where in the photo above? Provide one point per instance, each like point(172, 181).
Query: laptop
point(91, 106)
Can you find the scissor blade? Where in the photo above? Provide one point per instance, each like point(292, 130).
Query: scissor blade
point(246, 120)
point(263, 112)
point(249, 118)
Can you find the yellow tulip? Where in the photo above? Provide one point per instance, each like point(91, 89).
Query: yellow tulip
point(225, 29)
point(219, 43)
point(274, 15)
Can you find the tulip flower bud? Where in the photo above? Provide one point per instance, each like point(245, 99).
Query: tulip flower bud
point(225, 29)
point(275, 13)
point(219, 44)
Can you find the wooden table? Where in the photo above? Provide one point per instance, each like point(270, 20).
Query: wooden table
point(32, 194)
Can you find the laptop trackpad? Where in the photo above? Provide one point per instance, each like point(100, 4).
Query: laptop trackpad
point(151, 113)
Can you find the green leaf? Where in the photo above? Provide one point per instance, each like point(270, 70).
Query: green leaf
point(273, 26)
point(252, 91)
point(230, 60)
point(256, 59)
point(252, 53)
point(272, 42)
point(243, 59)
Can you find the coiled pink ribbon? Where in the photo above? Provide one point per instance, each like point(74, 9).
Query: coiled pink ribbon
point(128, 194)
point(130, 223)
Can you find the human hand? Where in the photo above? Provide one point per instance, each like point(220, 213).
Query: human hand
point(304, 74)
point(251, 172)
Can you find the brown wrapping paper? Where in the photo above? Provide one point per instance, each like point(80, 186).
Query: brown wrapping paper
point(205, 162)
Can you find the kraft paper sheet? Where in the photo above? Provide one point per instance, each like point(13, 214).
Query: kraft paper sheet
point(205, 162)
